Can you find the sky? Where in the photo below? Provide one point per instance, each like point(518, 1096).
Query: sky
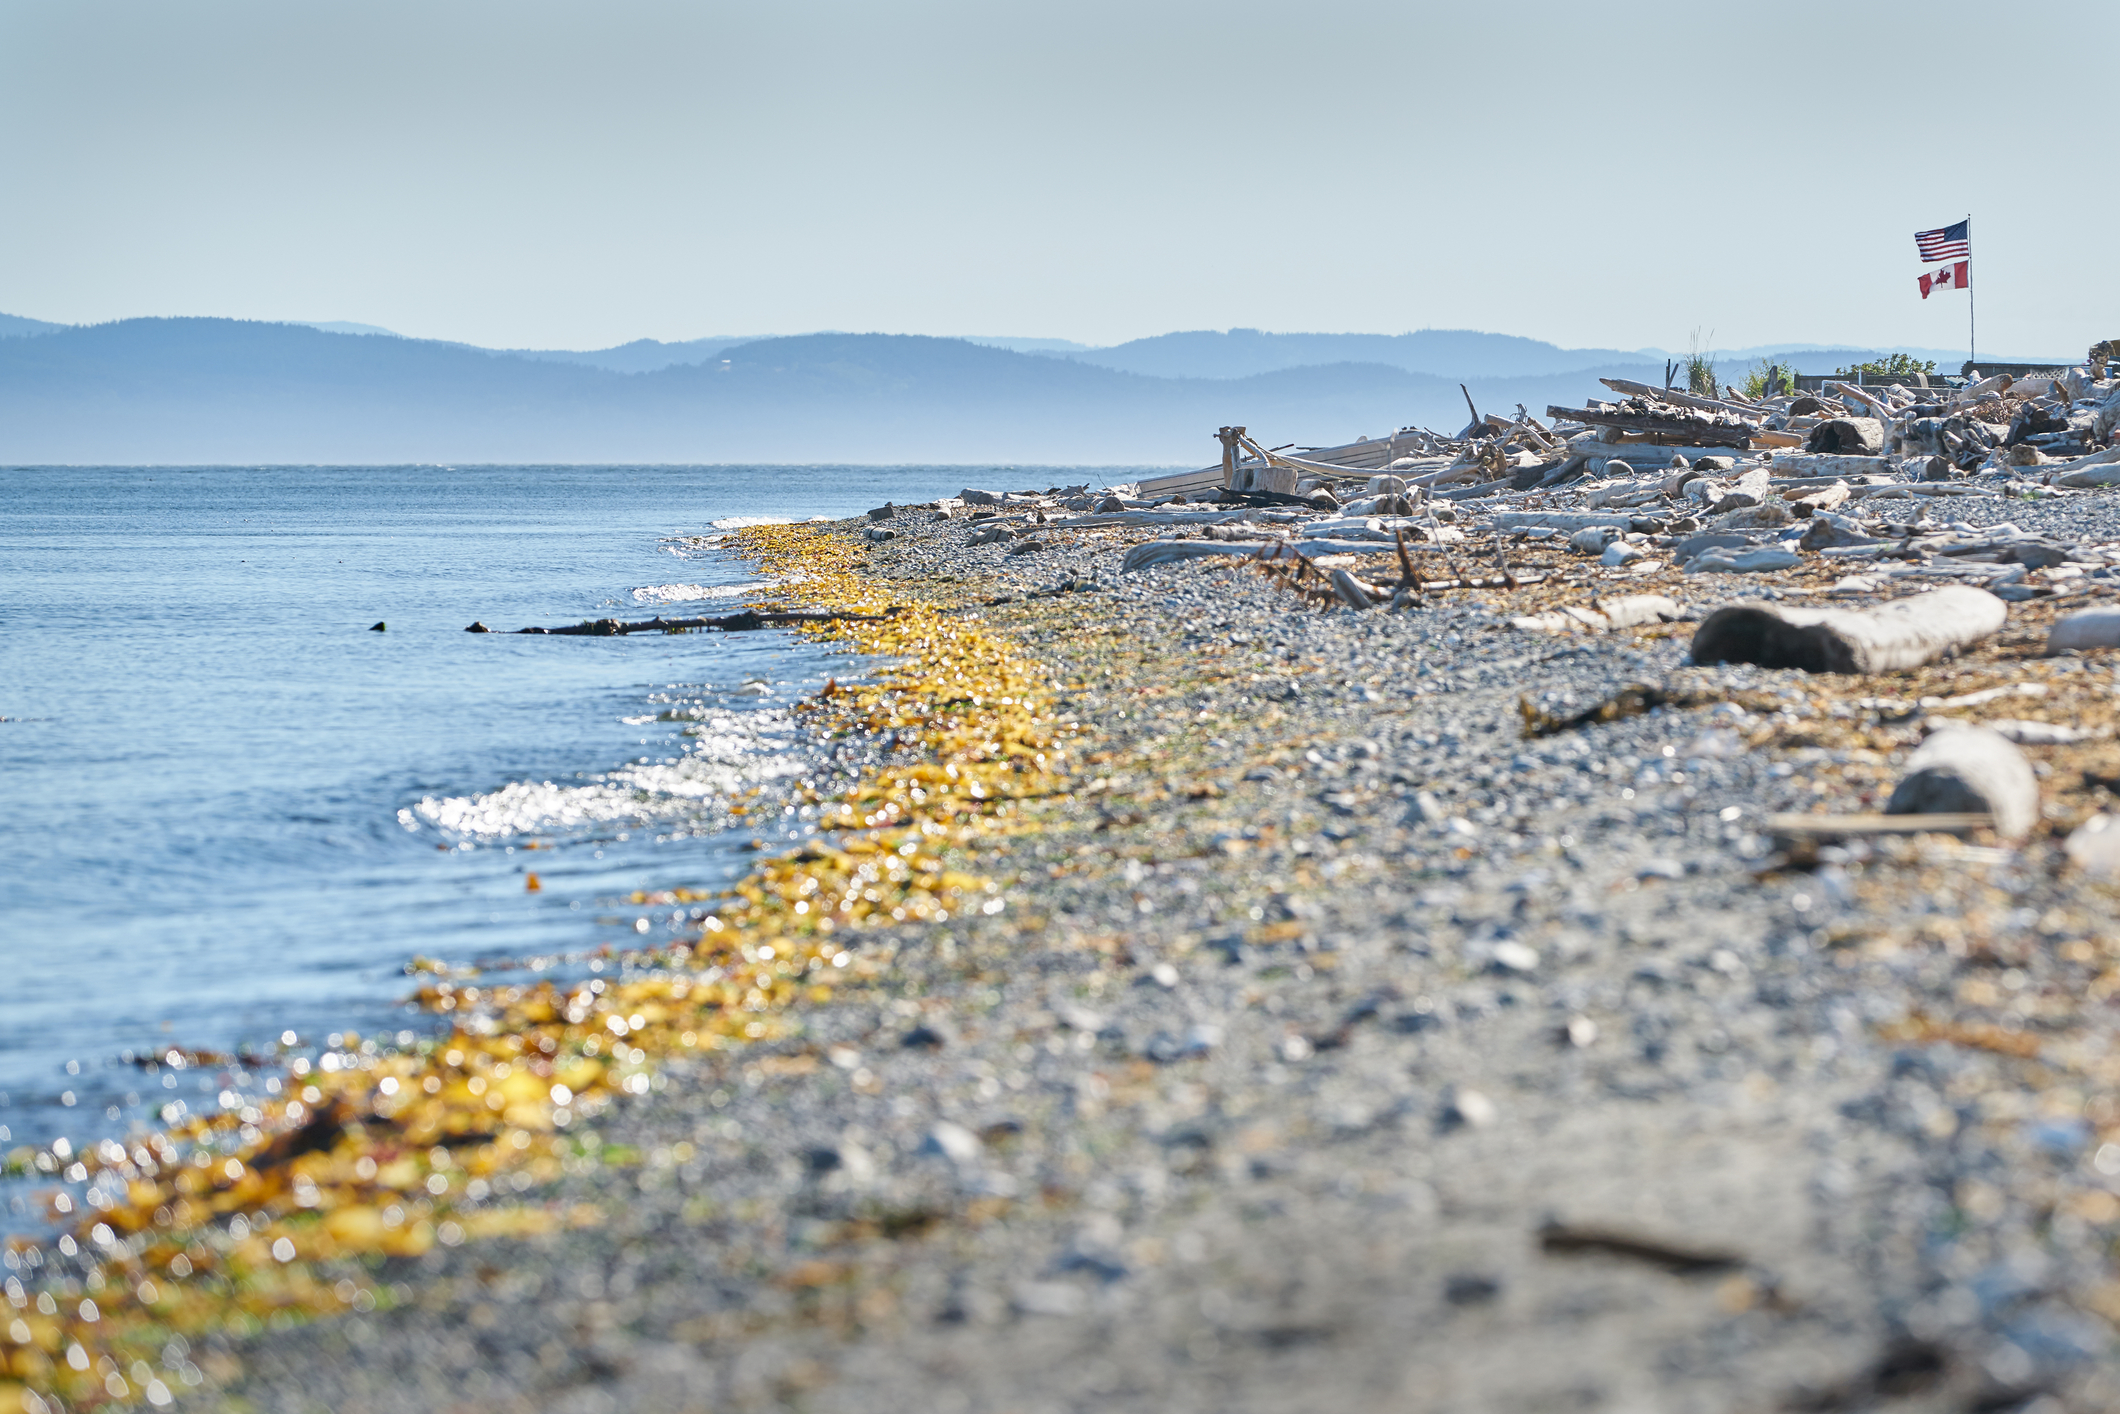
point(532, 174)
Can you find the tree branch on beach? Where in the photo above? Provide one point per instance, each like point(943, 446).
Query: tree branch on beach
point(727, 623)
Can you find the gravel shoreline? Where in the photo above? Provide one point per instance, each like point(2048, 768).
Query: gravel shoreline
point(1341, 1047)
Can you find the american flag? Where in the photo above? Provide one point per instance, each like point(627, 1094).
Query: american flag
point(1946, 242)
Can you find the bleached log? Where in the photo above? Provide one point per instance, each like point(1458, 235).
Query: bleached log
point(1561, 520)
point(2097, 469)
point(1919, 488)
point(1823, 498)
point(1643, 456)
point(1633, 609)
point(1169, 552)
point(1251, 476)
point(1826, 464)
point(1762, 560)
point(1472, 493)
point(1628, 612)
point(1353, 593)
point(1633, 389)
point(1736, 434)
point(1848, 436)
point(1967, 769)
point(1816, 828)
point(1986, 387)
point(1906, 633)
point(1107, 518)
point(1879, 408)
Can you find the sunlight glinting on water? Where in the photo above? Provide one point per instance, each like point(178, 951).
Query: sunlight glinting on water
point(727, 754)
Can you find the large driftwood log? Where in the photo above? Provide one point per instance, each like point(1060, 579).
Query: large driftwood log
point(727, 623)
point(1149, 554)
point(1785, 464)
point(1699, 433)
point(1847, 436)
point(2097, 469)
point(1562, 520)
point(1903, 634)
point(1252, 476)
point(1962, 769)
point(1632, 389)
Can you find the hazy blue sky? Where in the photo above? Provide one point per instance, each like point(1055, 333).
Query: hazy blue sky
point(543, 174)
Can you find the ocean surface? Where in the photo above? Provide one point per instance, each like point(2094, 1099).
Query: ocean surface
point(234, 811)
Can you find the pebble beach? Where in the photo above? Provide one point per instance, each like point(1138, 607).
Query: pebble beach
point(1319, 1023)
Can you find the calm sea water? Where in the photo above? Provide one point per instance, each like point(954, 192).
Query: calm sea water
point(231, 810)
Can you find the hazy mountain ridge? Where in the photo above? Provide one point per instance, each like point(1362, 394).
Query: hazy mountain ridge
point(15, 326)
point(205, 390)
point(220, 390)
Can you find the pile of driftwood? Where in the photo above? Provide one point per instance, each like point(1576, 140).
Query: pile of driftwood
point(2000, 426)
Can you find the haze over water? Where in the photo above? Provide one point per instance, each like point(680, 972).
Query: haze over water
point(232, 810)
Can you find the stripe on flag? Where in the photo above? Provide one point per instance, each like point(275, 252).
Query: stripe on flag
point(1946, 242)
point(1950, 277)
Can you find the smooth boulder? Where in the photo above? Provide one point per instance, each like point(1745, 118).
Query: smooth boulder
point(2087, 628)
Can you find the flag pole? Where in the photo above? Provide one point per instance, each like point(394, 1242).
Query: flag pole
point(1972, 328)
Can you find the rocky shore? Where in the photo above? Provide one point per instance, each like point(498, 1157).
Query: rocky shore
point(1345, 1033)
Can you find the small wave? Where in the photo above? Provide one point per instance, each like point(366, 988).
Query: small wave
point(741, 522)
point(682, 593)
point(726, 754)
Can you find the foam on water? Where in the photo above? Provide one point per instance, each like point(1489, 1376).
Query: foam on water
point(687, 593)
point(741, 522)
point(727, 753)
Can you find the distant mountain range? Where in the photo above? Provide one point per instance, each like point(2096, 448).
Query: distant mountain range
point(228, 391)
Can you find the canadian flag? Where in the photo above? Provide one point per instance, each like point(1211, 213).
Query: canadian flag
point(1950, 277)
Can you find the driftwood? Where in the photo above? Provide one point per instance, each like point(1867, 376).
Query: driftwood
point(1812, 464)
point(1353, 592)
point(2097, 469)
point(1903, 634)
point(1699, 432)
point(1817, 827)
point(1630, 611)
point(1562, 520)
point(1632, 389)
point(1151, 553)
point(1970, 769)
point(1847, 437)
point(742, 622)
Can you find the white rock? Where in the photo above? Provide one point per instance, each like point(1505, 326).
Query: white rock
point(1619, 552)
point(1516, 956)
point(1767, 557)
point(954, 1141)
point(1472, 1108)
point(2086, 628)
point(2094, 846)
point(1079, 1017)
